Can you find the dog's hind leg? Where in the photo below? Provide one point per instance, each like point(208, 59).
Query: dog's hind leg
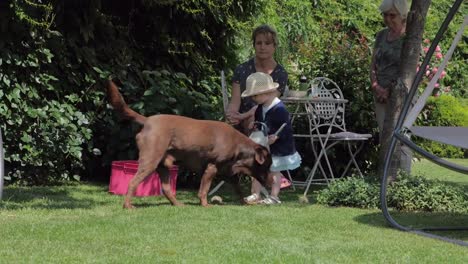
point(151, 152)
point(166, 185)
point(143, 172)
point(205, 184)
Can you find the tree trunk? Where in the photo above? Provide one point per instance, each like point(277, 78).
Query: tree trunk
point(409, 60)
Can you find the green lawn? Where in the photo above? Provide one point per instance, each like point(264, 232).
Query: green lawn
point(434, 171)
point(85, 224)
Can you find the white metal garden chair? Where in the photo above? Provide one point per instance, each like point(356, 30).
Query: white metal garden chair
point(328, 128)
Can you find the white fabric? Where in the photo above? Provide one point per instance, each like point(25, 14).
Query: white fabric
point(268, 107)
point(283, 163)
point(456, 136)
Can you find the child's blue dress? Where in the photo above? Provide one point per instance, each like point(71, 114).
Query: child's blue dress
point(283, 151)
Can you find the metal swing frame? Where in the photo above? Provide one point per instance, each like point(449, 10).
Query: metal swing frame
point(400, 135)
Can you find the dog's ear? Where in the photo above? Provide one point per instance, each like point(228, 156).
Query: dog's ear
point(260, 154)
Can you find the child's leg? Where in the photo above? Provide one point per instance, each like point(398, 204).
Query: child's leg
point(256, 187)
point(275, 187)
point(254, 197)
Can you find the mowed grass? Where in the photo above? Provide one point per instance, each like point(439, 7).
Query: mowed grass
point(85, 224)
point(436, 172)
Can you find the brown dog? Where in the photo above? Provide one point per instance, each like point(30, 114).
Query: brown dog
point(204, 146)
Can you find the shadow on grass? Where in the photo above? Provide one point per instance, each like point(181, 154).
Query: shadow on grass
point(187, 197)
point(91, 195)
point(286, 195)
point(420, 220)
point(54, 197)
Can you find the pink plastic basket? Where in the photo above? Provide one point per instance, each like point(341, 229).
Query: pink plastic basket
point(124, 170)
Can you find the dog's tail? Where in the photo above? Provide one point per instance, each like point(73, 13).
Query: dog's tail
point(119, 105)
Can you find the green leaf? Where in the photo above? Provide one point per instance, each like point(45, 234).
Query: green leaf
point(26, 138)
point(6, 80)
point(98, 70)
point(148, 92)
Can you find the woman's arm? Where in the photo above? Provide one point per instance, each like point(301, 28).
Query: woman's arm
point(373, 71)
point(380, 92)
point(233, 115)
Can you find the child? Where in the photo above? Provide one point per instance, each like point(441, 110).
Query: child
point(271, 111)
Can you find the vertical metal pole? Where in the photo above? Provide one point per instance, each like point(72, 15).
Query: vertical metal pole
point(1, 165)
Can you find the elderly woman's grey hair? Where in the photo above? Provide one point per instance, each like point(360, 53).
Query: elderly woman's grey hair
point(265, 29)
point(400, 5)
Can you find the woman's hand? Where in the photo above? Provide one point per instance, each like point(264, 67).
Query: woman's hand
point(233, 117)
point(381, 93)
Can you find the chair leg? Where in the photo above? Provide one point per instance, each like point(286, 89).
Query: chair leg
point(312, 172)
point(318, 157)
point(352, 158)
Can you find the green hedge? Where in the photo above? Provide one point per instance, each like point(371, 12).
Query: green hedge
point(53, 55)
point(444, 110)
point(168, 55)
point(407, 193)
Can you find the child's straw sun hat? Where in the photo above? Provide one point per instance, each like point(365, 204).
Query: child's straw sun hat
point(259, 83)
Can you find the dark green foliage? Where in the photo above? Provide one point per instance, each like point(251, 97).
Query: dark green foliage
point(335, 39)
point(407, 193)
point(163, 93)
point(54, 55)
point(457, 68)
point(419, 194)
point(351, 191)
point(46, 120)
point(332, 39)
point(444, 110)
point(167, 55)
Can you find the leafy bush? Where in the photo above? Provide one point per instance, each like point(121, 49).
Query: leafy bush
point(164, 93)
point(53, 52)
point(419, 194)
point(53, 55)
point(444, 110)
point(351, 191)
point(331, 39)
point(335, 38)
point(456, 78)
point(407, 193)
point(46, 125)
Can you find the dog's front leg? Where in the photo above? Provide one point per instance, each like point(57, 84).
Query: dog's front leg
point(205, 184)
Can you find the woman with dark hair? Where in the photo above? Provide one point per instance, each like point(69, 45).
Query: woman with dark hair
point(240, 112)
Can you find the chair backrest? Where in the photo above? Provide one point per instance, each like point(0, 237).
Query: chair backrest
point(324, 114)
point(224, 91)
point(2, 168)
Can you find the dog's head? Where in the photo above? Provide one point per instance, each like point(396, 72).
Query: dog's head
point(256, 164)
